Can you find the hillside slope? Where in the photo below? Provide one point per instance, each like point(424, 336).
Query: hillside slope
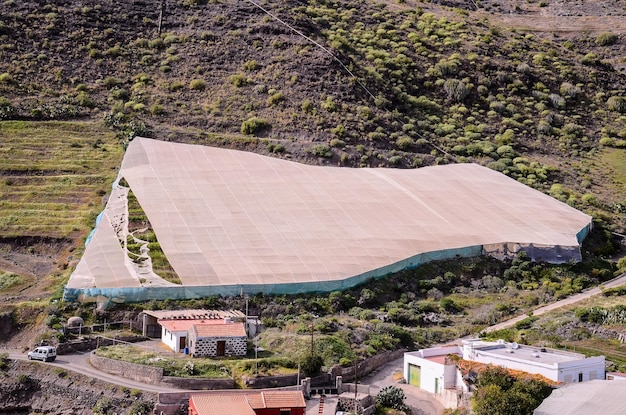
point(353, 83)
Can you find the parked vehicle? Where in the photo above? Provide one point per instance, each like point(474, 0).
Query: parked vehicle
point(43, 353)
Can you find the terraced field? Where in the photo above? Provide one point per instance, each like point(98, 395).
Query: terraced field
point(53, 177)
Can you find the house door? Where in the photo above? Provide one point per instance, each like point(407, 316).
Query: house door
point(436, 385)
point(221, 347)
point(414, 375)
point(182, 343)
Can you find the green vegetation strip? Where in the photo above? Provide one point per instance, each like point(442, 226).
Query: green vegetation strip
point(185, 366)
point(53, 176)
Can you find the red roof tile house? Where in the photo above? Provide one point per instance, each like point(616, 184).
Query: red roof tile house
point(216, 340)
point(248, 403)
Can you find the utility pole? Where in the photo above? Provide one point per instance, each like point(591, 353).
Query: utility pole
point(355, 389)
point(162, 6)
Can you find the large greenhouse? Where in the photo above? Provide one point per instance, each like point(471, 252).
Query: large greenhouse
point(233, 222)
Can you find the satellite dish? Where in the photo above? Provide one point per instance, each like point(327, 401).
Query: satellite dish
point(514, 345)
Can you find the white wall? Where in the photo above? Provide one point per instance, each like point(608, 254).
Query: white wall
point(591, 368)
point(445, 374)
point(172, 339)
point(564, 371)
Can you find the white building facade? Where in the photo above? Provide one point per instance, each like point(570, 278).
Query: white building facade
point(435, 371)
point(556, 365)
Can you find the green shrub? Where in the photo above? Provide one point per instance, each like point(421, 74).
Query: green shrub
point(329, 104)
point(111, 82)
point(404, 142)
point(6, 78)
point(525, 323)
point(456, 90)
point(157, 43)
point(590, 59)
point(321, 150)
point(337, 143)
point(120, 93)
point(254, 125)
point(275, 148)
point(392, 397)
point(606, 39)
point(175, 86)
point(238, 79)
point(7, 110)
point(307, 106)
point(197, 84)
point(617, 104)
point(157, 109)
point(251, 65)
point(275, 99)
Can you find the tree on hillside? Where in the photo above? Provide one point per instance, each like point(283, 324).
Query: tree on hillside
point(499, 393)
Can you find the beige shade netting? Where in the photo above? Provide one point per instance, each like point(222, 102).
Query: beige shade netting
point(226, 217)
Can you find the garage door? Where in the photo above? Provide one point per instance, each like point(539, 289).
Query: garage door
point(414, 375)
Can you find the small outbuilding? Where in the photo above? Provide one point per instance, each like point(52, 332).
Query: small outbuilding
point(217, 340)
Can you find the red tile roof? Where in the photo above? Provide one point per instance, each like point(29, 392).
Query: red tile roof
point(244, 403)
point(277, 399)
point(184, 325)
point(222, 403)
point(219, 330)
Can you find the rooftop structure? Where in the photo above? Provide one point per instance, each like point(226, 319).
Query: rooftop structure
point(556, 365)
point(598, 397)
point(233, 222)
point(195, 314)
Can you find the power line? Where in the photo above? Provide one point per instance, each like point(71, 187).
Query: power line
point(335, 58)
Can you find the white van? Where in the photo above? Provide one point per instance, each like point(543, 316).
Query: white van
point(43, 353)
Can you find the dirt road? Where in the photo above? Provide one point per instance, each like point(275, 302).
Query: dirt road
point(616, 282)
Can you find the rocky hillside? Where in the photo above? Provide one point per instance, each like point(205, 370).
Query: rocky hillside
point(534, 89)
point(27, 388)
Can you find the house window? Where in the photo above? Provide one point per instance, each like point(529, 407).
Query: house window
point(285, 411)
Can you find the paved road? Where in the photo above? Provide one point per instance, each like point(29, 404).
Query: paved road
point(79, 363)
point(616, 282)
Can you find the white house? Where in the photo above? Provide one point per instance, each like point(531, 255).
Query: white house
point(556, 365)
point(435, 371)
point(174, 333)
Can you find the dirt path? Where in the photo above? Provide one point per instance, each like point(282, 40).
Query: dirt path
point(616, 282)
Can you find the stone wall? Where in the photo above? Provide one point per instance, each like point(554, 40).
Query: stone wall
point(367, 366)
point(139, 373)
point(93, 343)
point(207, 346)
point(198, 383)
point(265, 382)
point(154, 375)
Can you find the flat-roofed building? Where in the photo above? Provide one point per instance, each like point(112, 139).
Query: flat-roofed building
point(556, 365)
point(434, 370)
point(598, 397)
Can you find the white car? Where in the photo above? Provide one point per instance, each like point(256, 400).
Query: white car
point(43, 353)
